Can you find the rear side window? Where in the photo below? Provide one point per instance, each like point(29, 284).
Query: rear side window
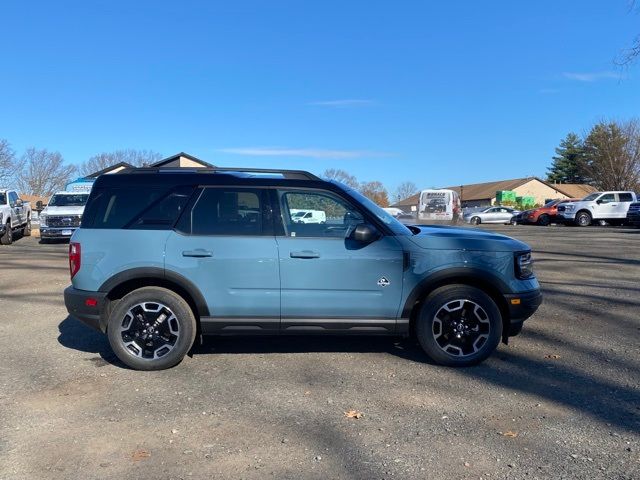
point(135, 207)
point(625, 197)
point(225, 211)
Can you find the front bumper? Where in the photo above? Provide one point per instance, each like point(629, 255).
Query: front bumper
point(521, 306)
point(55, 232)
point(76, 303)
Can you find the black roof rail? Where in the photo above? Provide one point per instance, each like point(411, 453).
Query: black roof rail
point(288, 174)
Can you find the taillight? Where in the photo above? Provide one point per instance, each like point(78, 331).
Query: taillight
point(74, 258)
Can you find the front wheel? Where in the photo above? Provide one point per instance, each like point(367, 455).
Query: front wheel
point(26, 231)
point(544, 220)
point(475, 221)
point(583, 219)
point(151, 328)
point(459, 325)
point(7, 238)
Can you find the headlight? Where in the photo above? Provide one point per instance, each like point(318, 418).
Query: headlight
point(569, 208)
point(524, 265)
point(43, 220)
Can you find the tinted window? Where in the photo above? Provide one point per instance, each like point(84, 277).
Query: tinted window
point(3, 199)
point(625, 197)
point(334, 217)
point(226, 211)
point(163, 213)
point(13, 198)
point(130, 206)
point(75, 200)
point(608, 198)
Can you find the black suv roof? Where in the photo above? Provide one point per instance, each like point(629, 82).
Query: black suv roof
point(209, 176)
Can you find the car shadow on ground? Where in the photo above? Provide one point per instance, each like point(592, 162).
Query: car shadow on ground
point(77, 336)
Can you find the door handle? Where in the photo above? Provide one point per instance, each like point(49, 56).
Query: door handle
point(198, 253)
point(305, 254)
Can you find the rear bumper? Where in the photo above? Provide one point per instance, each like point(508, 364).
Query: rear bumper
point(51, 232)
point(521, 307)
point(76, 303)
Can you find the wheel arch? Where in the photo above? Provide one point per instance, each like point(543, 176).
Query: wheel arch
point(125, 282)
point(487, 282)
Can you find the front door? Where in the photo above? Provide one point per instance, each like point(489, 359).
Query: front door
point(330, 283)
point(606, 206)
point(224, 245)
point(17, 217)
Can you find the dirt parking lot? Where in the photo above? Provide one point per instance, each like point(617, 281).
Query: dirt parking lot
point(560, 401)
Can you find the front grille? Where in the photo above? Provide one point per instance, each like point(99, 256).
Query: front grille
point(63, 221)
point(634, 207)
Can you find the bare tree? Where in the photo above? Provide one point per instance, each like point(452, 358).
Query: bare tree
point(8, 163)
point(376, 192)
point(630, 54)
point(612, 155)
point(43, 173)
point(342, 177)
point(137, 158)
point(405, 190)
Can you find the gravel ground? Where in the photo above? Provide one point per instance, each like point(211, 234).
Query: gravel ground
point(562, 400)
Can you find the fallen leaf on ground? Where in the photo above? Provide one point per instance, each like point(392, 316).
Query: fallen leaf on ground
point(307, 392)
point(552, 356)
point(140, 455)
point(510, 434)
point(353, 414)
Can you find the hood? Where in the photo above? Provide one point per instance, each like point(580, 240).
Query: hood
point(472, 239)
point(49, 210)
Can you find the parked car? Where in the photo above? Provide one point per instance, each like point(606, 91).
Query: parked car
point(15, 215)
point(61, 217)
point(544, 215)
point(161, 257)
point(610, 207)
point(310, 216)
point(503, 215)
point(633, 214)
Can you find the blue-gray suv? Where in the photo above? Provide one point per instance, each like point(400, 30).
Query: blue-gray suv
point(165, 255)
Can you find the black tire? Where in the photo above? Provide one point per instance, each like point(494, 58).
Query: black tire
point(26, 231)
point(184, 323)
point(454, 298)
point(583, 219)
point(475, 221)
point(44, 241)
point(513, 221)
point(7, 238)
point(544, 220)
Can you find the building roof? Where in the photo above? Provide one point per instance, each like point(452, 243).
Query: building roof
point(487, 190)
point(33, 199)
point(110, 168)
point(172, 158)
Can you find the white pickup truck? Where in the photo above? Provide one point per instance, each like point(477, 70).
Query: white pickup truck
point(610, 207)
point(14, 215)
point(62, 215)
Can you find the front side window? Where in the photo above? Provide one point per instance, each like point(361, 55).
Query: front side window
point(13, 198)
point(326, 214)
point(608, 198)
point(225, 211)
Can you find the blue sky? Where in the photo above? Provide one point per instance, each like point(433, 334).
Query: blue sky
point(440, 93)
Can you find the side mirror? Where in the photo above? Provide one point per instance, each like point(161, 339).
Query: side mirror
point(39, 205)
point(365, 233)
point(19, 202)
point(598, 201)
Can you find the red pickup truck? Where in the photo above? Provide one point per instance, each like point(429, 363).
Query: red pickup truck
point(546, 214)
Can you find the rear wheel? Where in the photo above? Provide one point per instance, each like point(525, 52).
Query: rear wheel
point(7, 238)
point(544, 220)
point(151, 328)
point(583, 219)
point(459, 325)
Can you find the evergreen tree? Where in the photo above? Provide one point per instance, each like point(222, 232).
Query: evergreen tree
point(568, 163)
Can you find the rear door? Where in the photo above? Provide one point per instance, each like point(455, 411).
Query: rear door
point(624, 200)
point(329, 283)
point(224, 244)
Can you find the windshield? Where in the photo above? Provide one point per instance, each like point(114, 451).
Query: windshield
point(385, 217)
point(3, 199)
point(591, 197)
point(77, 200)
point(299, 214)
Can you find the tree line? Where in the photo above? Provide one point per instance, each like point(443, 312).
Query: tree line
point(607, 157)
point(43, 172)
point(374, 190)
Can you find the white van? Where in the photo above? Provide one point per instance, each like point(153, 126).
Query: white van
point(439, 205)
point(309, 216)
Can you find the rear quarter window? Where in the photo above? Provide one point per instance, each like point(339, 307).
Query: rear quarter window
point(135, 208)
